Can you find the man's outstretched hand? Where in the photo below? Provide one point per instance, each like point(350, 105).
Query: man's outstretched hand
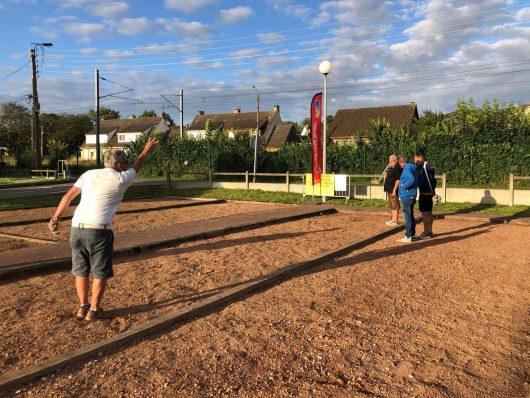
point(150, 144)
point(53, 226)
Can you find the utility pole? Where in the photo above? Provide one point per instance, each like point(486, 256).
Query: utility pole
point(96, 126)
point(35, 109)
point(179, 108)
point(181, 113)
point(257, 135)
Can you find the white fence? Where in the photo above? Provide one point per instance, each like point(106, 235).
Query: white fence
point(372, 190)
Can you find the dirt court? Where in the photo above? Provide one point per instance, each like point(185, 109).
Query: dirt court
point(122, 222)
point(446, 317)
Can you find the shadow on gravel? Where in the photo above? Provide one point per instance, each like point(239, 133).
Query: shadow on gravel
point(401, 249)
point(193, 296)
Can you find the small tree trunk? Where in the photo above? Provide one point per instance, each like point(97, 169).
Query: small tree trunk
point(168, 178)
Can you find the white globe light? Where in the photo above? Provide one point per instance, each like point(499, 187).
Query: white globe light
point(324, 67)
point(186, 163)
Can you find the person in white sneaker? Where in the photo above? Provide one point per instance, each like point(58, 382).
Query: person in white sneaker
point(393, 174)
point(427, 191)
point(91, 237)
point(408, 189)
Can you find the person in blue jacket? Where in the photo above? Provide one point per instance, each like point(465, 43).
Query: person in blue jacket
point(408, 190)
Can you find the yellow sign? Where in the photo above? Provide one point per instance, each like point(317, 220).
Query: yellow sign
point(325, 188)
point(328, 185)
point(311, 189)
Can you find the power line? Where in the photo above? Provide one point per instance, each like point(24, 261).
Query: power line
point(16, 71)
point(312, 27)
point(338, 47)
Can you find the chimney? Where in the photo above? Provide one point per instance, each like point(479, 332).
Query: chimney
point(236, 110)
point(276, 108)
point(200, 112)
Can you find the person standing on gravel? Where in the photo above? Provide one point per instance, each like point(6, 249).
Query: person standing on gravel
point(91, 237)
point(391, 185)
point(427, 191)
point(408, 189)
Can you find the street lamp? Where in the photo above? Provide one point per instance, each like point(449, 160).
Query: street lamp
point(35, 109)
point(325, 69)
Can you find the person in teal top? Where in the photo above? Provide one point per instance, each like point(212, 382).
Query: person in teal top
point(408, 190)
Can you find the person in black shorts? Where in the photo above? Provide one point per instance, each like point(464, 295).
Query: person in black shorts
point(427, 189)
point(393, 174)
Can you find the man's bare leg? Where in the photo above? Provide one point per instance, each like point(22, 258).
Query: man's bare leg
point(98, 288)
point(395, 214)
point(81, 285)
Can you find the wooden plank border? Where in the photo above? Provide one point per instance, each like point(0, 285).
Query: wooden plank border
point(181, 315)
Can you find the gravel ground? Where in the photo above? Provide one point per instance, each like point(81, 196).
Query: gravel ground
point(123, 222)
point(447, 317)
point(177, 276)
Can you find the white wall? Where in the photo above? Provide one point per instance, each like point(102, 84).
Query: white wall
point(460, 195)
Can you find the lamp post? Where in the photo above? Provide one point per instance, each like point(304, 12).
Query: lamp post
point(35, 109)
point(325, 69)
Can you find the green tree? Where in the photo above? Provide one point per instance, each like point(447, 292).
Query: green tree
point(148, 113)
point(15, 131)
point(104, 114)
point(66, 128)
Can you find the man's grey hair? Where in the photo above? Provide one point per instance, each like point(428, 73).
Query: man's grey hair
point(392, 157)
point(115, 156)
point(403, 158)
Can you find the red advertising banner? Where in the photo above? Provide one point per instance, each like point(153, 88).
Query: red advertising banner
point(316, 137)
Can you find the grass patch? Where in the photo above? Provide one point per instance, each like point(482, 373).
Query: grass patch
point(28, 182)
point(265, 196)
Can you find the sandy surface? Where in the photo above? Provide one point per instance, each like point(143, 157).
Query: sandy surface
point(126, 222)
point(446, 317)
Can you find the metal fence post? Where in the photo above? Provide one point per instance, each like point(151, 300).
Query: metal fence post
point(246, 180)
point(444, 186)
point(287, 181)
point(512, 189)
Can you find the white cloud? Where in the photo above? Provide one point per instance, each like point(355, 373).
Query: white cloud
point(73, 3)
point(187, 6)
point(352, 11)
point(84, 31)
point(287, 7)
point(119, 54)
point(523, 15)
point(271, 37)
point(88, 51)
point(133, 26)
point(109, 9)
point(246, 53)
point(183, 28)
point(443, 29)
point(234, 15)
point(199, 62)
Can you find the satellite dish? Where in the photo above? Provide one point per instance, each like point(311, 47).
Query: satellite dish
point(253, 142)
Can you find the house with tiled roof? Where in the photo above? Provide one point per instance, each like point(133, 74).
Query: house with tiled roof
point(116, 133)
point(235, 122)
point(281, 134)
point(350, 123)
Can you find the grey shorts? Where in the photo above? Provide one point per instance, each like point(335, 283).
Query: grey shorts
point(92, 251)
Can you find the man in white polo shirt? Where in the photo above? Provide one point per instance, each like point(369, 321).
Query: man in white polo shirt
point(91, 237)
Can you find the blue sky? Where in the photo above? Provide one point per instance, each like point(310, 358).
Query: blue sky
point(383, 53)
